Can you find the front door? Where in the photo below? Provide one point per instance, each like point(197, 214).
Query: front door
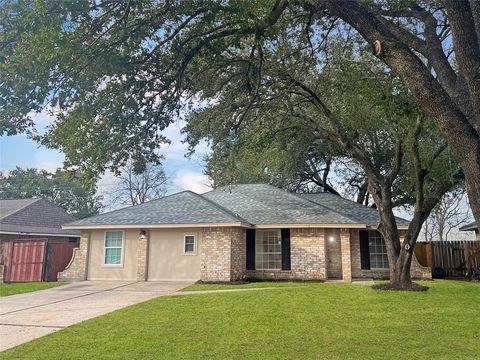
point(333, 253)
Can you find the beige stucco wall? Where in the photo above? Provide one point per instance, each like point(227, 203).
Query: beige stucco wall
point(98, 271)
point(167, 260)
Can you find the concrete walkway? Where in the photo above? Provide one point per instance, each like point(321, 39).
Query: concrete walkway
point(25, 317)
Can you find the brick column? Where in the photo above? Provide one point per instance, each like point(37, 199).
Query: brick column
point(77, 268)
point(223, 254)
point(346, 256)
point(238, 255)
point(142, 256)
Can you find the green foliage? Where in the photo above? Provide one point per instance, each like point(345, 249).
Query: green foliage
point(60, 187)
point(118, 73)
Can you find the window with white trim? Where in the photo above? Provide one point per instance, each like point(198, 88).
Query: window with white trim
point(268, 250)
point(190, 245)
point(113, 248)
point(378, 250)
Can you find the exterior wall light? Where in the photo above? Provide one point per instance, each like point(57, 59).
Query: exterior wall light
point(143, 234)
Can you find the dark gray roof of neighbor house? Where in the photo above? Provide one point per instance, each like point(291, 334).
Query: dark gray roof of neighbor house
point(8, 207)
point(469, 227)
point(353, 210)
point(33, 216)
point(182, 208)
point(265, 204)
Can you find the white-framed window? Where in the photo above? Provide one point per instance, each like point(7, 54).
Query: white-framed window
point(113, 248)
point(268, 250)
point(378, 251)
point(190, 245)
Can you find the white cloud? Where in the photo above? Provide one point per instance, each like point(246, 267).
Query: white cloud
point(190, 180)
point(47, 159)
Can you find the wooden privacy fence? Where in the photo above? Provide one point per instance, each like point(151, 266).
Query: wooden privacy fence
point(457, 258)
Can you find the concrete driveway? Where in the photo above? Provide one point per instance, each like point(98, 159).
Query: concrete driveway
point(25, 317)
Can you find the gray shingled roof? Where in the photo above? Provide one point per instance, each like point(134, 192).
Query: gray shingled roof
point(351, 209)
point(469, 227)
point(182, 208)
point(33, 216)
point(9, 207)
point(265, 204)
point(257, 204)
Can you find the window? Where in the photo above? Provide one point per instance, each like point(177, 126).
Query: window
point(113, 248)
point(268, 250)
point(378, 251)
point(190, 245)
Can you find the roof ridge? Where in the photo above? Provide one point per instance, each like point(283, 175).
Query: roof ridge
point(220, 207)
point(242, 184)
point(21, 208)
point(298, 196)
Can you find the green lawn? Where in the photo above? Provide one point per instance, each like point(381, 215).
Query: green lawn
point(312, 321)
point(249, 285)
point(20, 288)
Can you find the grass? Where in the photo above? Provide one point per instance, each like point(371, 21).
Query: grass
point(312, 321)
point(20, 288)
point(247, 285)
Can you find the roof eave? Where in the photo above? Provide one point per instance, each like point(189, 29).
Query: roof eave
point(296, 226)
point(151, 226)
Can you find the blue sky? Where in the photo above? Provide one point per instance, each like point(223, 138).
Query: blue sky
point(184, 174)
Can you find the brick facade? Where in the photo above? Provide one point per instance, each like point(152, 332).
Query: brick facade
point(223, 254)
point(307, 256)
point(417, 271)
point(77, 269)
point(223, 257)
point(142, 257)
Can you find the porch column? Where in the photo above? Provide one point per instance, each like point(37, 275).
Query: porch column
point(346, 256)
point(142, 255)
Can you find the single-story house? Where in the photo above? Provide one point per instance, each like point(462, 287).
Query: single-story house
point(234, 232)
point(471, 227)
point(33, 245)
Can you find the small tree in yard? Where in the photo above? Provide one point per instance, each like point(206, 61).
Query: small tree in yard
point(134, 189)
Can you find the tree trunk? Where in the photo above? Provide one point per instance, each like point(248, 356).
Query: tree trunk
point(400, 273)
point(398, 257)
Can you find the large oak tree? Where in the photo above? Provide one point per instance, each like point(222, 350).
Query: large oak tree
point(118, 73)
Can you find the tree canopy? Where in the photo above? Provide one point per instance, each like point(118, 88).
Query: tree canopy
point(119, 72)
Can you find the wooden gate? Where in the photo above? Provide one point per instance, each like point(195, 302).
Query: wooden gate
point(58, 257)
point(25, 262)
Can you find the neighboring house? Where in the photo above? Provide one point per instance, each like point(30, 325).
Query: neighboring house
point(240, 231)
point(471, 227)
point(33, 245)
